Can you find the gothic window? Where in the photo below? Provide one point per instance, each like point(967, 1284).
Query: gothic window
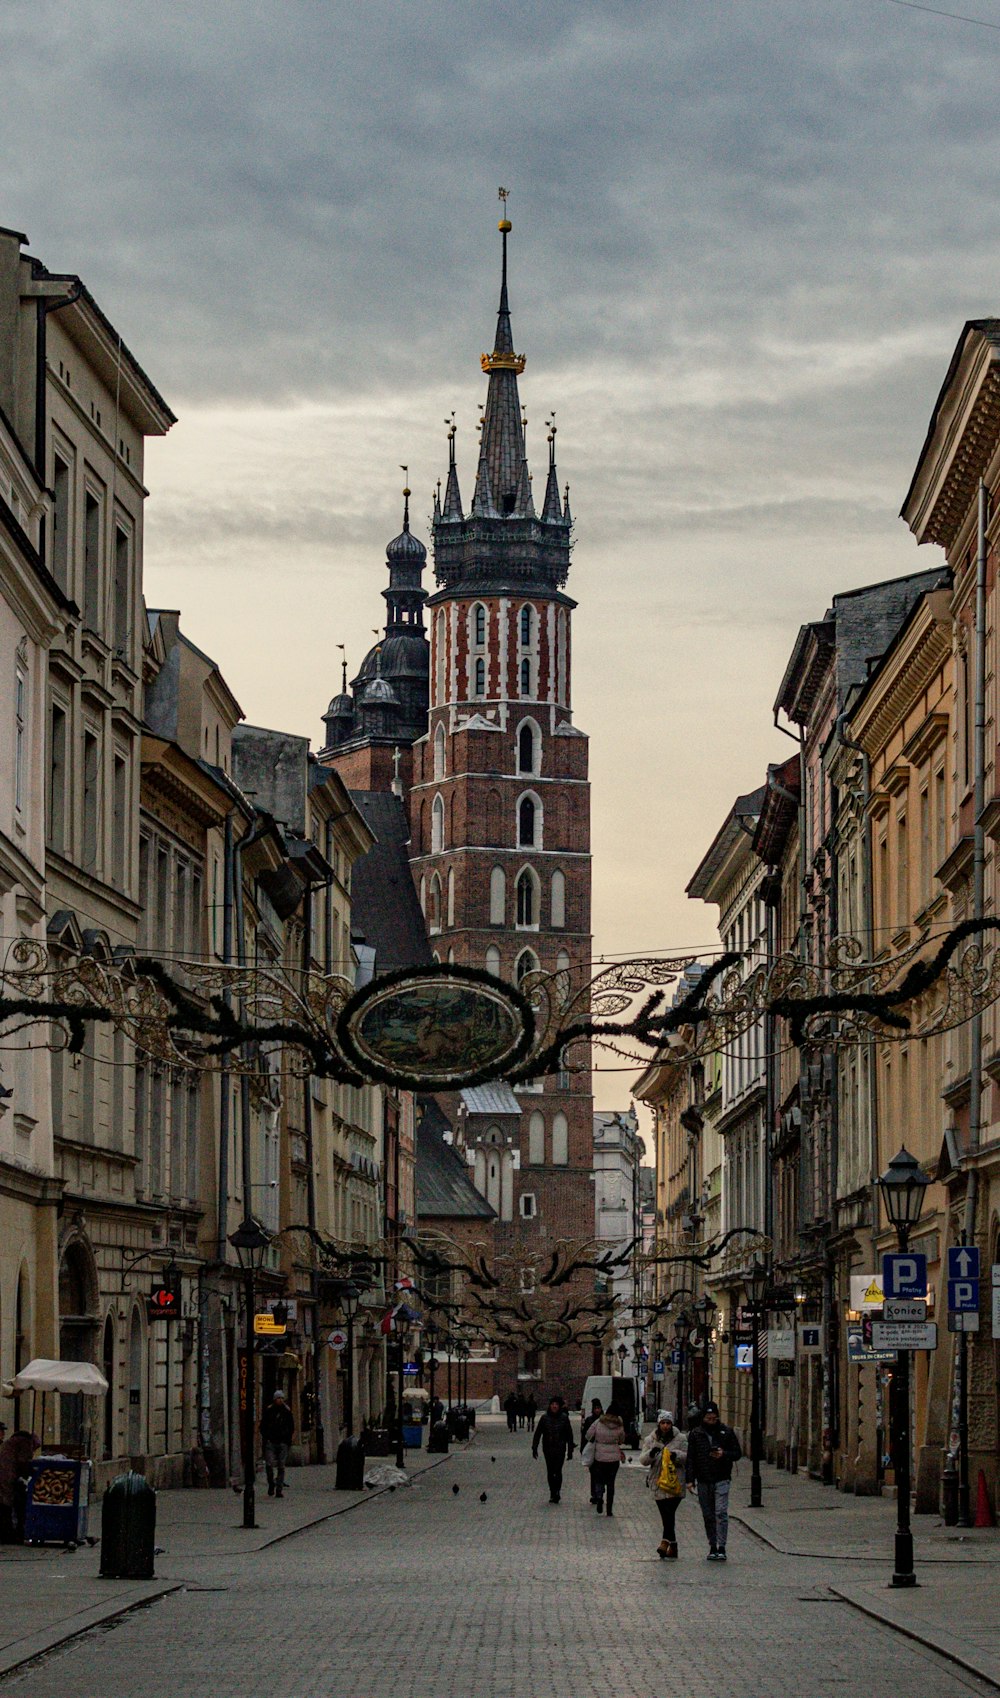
point(558, 899)
point(434, 913)
point(560, 1140)
point(527, 962)
point(529, 747)
point(493, 960)
point(480, 678)
point(527, 626)
point(562, 966)
point(536, 1140)
point(439, 756)
point(527, 898)
point(439, 651)
point(498, 897)
point(437, 826)
point(526, 677)
point(479, 625)
point(529, 822)
point(451, 896)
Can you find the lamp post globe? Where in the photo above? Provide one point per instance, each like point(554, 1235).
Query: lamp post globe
point(903, 1186)
point(250, 1241)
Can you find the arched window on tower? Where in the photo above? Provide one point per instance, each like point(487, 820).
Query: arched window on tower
point(527, 626)
point(479, 625)
point(498, 897)
point(479, 676)
point(560, 1140)
point(451, 896)
point(493, 961)
point(441, 693)
point(529, 747)
point(437, 825)
point(434, 916)
point(565, 984)
point(527, 898)
point(529, 822)
point(439, 752)
point(558, 898)
point(527, 962)
point(536, 1140)
point(526, 677)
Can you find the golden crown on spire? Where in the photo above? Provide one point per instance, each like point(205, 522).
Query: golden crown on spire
point(502, 362)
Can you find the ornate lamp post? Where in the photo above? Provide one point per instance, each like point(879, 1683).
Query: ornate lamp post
point(622, 1352)
point(401, 1324)
point(431, 1331)
point(903, 1187)
point(705, 1311)
point(463, 1354)
point(349, 1299)
point(250, 1241)
point(756, 1283)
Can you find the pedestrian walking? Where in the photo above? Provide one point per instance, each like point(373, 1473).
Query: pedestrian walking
point(522, 1410)
point(664, 1454)
point(586, 1442)
point(608, 1434)
point(16, 1455)
point(277, 1427)
point(510, 1410)
point(555, 1435)
point(531, 1410)
point(712, 1449)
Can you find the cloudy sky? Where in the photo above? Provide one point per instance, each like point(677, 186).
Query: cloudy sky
point(746, 236)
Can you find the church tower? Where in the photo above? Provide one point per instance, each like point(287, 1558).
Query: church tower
point(500, 814)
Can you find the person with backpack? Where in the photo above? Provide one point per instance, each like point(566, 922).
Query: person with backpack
point(712, 1449)
point(664, 1455)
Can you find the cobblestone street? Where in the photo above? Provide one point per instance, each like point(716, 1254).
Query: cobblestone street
point(429, 1593)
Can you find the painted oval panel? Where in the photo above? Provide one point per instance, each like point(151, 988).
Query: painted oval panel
point(437, 1031)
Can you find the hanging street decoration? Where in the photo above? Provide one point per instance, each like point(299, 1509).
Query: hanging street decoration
point(446, 1026)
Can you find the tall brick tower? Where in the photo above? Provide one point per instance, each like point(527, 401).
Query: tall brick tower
point(500, 819)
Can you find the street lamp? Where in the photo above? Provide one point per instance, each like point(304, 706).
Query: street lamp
point(622, 1353)
point(250, 1241)
point(431, 1329)
point(705, 1311)
point(756, 1283)
point(903, 1186)
point(348, 1299)
point(401, 1322)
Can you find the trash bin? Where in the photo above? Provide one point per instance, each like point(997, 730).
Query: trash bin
point(440, 1438)
point(350, 1466)
point(460, 1427)
point(378, 1441)
point(413, 1435)
point(128, 1529)
point(470, 1414)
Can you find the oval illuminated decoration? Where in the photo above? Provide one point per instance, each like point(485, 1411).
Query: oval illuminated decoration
point(433, 1027)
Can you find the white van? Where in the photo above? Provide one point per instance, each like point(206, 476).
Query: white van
point(620, 1390)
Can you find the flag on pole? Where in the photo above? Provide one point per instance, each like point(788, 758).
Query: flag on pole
point(385, 1325)
point(405, 1284)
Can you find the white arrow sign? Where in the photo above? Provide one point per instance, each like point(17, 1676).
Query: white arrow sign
point(964, 1260)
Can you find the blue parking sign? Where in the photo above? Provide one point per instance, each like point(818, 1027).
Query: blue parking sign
point(904, 1275)
point(963, 1296)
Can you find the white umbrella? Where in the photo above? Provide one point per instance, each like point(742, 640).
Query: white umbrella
point(44, 1375)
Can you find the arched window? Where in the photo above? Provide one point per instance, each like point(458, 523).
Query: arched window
point(529, 747)
point(437, 826)
point(560, 1140)
point(558, 898)
point(439, 755)
point(479, 624)
point(536, 1140)
point(527, 898)
point(480, 678)
point(527, 962)
point(493, 960)
point(565, 986)
point(529, 823)
point(527, 626)
point(526, 676)
point(423, 897)
point(498, 897)
point(439, 653)
point(434, 914)
point(451, 896)
point(451, 958)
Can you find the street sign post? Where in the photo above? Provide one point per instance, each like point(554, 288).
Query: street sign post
point(264, 1324)
point(781, 1344)
point(744, 1356)
point(810, 1339)
point(904, 1335)
point(337, 1340)
point(963, 1262)
point(861, 1352)
point(963, 1296)
point(963, 1321)
point(996, 1311)
point(866, 1292)
point(657, 1370)
point(904, 1275)
point(904, 1309)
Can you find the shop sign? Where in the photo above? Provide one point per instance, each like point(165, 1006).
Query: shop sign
point(867, 1292)
point(781, 1344)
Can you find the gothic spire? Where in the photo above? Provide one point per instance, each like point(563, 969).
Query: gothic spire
point(452, 499)
point(552, 510)
point(503, 433)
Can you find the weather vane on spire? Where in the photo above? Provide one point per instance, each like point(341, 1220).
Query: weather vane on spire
point(406, 496)
point(504, 224)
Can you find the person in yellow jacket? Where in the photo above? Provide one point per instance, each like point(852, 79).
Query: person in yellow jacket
point(663, 1454)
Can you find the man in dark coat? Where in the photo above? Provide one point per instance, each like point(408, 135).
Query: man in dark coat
point(510, 1410)
point(277, 1427)
point(555, 1435)
point(712, 1450)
